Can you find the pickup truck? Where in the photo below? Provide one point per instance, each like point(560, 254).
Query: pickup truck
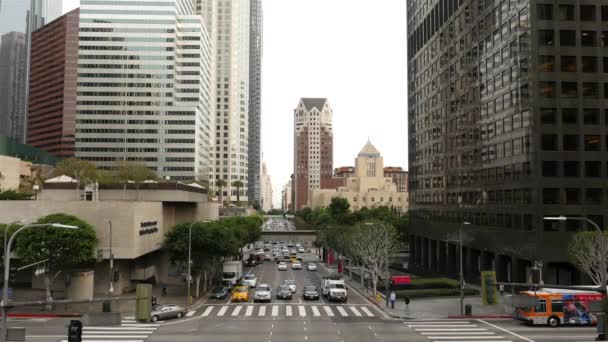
point(334, 289)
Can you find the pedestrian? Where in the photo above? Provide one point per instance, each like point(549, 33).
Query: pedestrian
point(392, 297)
point(164, 290)
point(501, 288)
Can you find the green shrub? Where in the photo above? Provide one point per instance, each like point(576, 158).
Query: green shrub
point(426, 293)
point(13, 195)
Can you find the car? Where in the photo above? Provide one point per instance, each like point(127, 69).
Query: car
point(301, 250)
point(291, 283)
point(284, 292)
point(250, 280)
point(240, 294)
point(260, 251)
point(299, 258)
point(296, 265)
point(293, 259)
point(311, 267)
point(263, 293)
point(219, 292)
point(267, 257)
point(310, 292)
point(282, 266)
point(166, 311)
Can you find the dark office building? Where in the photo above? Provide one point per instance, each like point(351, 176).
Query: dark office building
point(508, 123)
point(255, 102)
point(52, 102)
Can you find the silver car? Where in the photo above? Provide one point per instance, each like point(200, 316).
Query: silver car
point(160, 312)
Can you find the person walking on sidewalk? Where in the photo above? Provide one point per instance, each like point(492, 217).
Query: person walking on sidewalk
point(392, 297)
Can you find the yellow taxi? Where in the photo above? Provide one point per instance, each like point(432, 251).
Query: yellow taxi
point(240, 294)
point(293, 259)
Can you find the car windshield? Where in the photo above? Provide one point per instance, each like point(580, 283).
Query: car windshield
point(336, 286)
point(249, 277)
point(284, 288)
point(282, 264)
point(241, 289)
point(229, 274)
point(262, 288)
point(289, 282)
point(218, 289)
point(310, 288)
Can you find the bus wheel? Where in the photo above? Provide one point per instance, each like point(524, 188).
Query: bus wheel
point(553, 322)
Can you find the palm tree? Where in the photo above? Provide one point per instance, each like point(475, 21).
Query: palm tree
point(238, 185)
point(220, 183)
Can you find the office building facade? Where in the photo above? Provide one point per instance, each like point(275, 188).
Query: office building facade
point(313, 148)
point(507, 117)
point(255, 101)
point(266, 186)
point(51, 119)
point(145, 87)
point(398, 176)
point(228, 24)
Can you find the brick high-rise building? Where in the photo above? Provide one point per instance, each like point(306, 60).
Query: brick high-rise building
point(52, 101)
point(399, 177)
point(313, 148)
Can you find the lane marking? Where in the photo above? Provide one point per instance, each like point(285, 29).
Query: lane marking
point(108, 340)
point(505, 330)
point(249, 311)
point(342, 311)
point(114, 336)
point(262, 311)
point(367, 311)
point(451, 329)
point(442, 326)
point(190, 313)
point(355, 311)
point(468, 338)
point(275, 310)
point(288, 310)
point(222, 310)
point(207, 311)
point(328, 311)
point(315, 311)
point(459, 333)
point(116, 328)
point(302, 311)
point(237, 310)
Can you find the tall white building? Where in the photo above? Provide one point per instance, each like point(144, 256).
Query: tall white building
point(266, 189)
point(228, 25)
point(145, 86)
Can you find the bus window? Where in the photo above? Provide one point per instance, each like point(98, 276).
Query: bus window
point(557, 306)
point(541, 306)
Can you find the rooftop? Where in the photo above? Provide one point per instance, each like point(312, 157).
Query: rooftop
point(310, 103)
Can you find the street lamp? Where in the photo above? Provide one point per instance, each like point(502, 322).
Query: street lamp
point(7, 265)
point(111, 288)
point(189, 260)
point(461, 273)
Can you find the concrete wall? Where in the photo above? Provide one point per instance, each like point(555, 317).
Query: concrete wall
point(81, 285)
point(12, 169)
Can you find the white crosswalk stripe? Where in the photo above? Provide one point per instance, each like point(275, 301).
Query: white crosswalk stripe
point(367, 311)
point(223, 310)
point(355, 311)
point(249, 311)
point(262, 311)
point(352, 311)
point(288, 311)
point(128, 331)
point(190, 313)
point(328, 311)
point(207, 311)
point(302, 311)
point(237, 310)
point(275, 310)
point(455, 331)
point(315, 311)
point(342, 311)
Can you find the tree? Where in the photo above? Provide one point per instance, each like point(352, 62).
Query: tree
point(135, 172)
point(83, 171)
point(64, 248)
point(375, 244)
point(339, 209)
point(238, 185)
point(589, 251)
point(220, 183)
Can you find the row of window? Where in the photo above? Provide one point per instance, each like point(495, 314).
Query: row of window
point(593, 196)
point(587, 38)
point(572, 168)
point(565, 12)
point(570, 64)
point(588, 90)
point(571, 142)
point(572, 116)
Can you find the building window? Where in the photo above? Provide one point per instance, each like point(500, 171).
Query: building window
point(550, 169)
point(568, 63)
point(593, 196)
point(604, 13)
point(569, 89)
point(587, 12)
point(567, 38)
point(546, 37)
point(604, 38)
point(590, 90)
point(589, 63)
point(549, 142)
point(544, 11)
point(550, 196)
point(569, 116)
point(573, 195)
point(546, 63)
point(570, 142)
point(591, 116)
point(571, 168)
point(548, 116)
point(566, 12)
point(588, 38)
point(593, 169)
point(547, 89)
point(592, 142)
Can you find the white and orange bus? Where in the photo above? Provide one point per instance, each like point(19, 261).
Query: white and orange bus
point(556, 307)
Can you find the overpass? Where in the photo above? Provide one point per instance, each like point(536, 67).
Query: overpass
point(307, 237)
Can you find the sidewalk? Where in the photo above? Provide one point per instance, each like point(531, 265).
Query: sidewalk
point(428, 308)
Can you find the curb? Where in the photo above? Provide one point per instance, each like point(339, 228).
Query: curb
point(480, 317)
point(42, 315)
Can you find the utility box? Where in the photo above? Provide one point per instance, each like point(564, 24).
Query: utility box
point(143, 305)
point(15, 334)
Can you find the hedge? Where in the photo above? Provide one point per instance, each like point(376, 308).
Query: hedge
point(425, 293)
point(12, 195)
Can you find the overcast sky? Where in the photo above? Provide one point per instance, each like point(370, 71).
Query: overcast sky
point(351, 51)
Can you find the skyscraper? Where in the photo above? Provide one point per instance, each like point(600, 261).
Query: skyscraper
point(266, 186)
point(18, 19)
point(255, 100)
point(507, 116)
point(313, 148)
point(145, 89)
point(228, 25)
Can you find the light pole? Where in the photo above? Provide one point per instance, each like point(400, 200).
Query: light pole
point(111, 288)
point(461, 272)
point(7, 265)
point(189, 260)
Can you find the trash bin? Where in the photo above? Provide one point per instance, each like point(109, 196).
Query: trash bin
point(107, 306)
point(468, 310)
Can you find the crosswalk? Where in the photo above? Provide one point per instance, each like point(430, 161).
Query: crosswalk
point(455, 331)
point(129, 331)
point(286, 311)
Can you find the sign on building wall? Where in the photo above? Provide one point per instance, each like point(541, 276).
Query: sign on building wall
point(148, 227)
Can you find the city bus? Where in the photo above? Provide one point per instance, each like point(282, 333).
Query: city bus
point(556, 307)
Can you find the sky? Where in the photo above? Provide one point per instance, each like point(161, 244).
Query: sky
point(351, 51)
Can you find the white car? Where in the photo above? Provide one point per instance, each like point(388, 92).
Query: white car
point(296, 265)
point(311, 267)
point(282, 266)
point(291, 283)
point(262, 293)
point(250, 280)
point(301, 250)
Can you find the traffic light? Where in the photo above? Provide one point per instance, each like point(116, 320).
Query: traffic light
point(12, 275)
point(115, 276)
point(153, 300)
point(75, 331)
point(407, 300)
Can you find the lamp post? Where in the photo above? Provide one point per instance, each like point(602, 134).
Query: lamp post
point(461, 272)
point(111, 288)
point(7, 266)
point(189, 261)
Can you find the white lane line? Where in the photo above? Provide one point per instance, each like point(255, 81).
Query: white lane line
point(115, 336)
point(140, 325)
point(442, 326)
point(302, 311)
point(249, 311)
point(467, 337)
point(129, 321)
point(275, 310)
point(367, 311)
point(452, 333)
point(262, 311)
point(223, 310)
point(355, 311)
point(207, 311)
point(112, 333)
point(328, 311)
point(107, 340)
point(441, 321)
point(505, 330)
point(288, 310)
point(117, 328)
point(190, 313)
point(342, 311)
point(315, 311)
point(450, 329)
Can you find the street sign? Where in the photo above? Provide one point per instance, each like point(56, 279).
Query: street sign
point(40, 271)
